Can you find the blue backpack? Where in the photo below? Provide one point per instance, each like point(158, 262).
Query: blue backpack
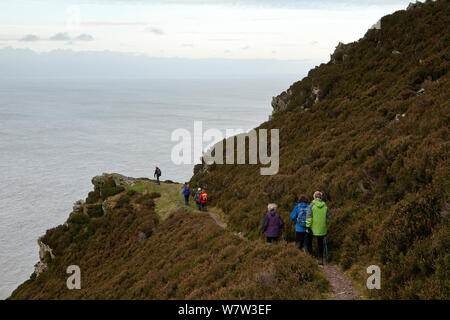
point(301, 216)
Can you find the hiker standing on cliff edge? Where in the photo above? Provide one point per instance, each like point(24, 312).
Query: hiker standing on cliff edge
point(316, 222)
point(157, 173)
point(272, 224)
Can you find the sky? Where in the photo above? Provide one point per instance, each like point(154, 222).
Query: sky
point(193, 29)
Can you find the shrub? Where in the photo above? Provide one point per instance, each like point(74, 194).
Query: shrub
point(94, 210)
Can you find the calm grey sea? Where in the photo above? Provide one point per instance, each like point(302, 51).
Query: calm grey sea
point(55, 135)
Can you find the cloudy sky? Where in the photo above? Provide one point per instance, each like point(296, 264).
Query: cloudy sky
point(253, 29)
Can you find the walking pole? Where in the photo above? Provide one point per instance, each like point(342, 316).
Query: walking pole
point(326, 248)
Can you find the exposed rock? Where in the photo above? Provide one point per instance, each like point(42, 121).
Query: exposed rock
point(421, 91)
point(340, 53)
point(78, 206)
point(45, 256)
point(396, 52)
point(98, 182)
point(315, 93)
point(412, 6)
point(399, 116)
point(376, 26)
point(141, 235)
point(281, 102)
point(239, 235)
point(45, 251)
point(39, 268)
point(121, 180)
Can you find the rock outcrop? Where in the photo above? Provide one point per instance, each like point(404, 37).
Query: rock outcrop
point(280, 102)
point(45, 256)
point(340, 53)
point(415, 5)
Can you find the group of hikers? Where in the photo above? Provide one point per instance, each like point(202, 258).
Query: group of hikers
point(310, 218)
point(200, 197)
point(310, 222)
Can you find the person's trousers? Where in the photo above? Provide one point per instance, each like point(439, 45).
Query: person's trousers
point(302, 240)
point(272, 239)
point(186, 199)
point(203, 206)
point(199, 206)
point(309, 241)
point(157, 179)
point(320, 246)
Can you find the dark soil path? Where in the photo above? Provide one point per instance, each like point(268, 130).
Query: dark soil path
point(341, 286)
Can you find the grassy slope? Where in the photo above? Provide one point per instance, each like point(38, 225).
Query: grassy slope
point(386, 180)
point(185, 256)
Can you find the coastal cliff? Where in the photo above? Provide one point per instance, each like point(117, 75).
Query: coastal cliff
point(135, 239)
point(370, 129)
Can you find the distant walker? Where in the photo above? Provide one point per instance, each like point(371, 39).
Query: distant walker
point(157, 174)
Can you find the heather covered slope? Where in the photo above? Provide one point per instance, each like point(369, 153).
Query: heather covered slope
point(134, 250)
point(371, 130)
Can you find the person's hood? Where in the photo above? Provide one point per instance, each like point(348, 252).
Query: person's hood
point(303, 205)
point(319, 203)
point(272, 213)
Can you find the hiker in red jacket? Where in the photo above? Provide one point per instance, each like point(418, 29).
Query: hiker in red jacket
point(203, 200)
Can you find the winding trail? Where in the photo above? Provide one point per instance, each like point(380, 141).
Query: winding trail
point(341, 286)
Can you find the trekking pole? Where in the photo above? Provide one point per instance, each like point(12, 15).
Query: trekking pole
point(326, 249)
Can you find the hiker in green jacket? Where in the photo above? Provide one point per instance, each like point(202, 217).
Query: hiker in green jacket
point(316, 223)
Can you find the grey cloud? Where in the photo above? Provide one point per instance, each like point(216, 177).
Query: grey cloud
point(279, 3)
point(156, 31)
point(62, 36)
point(84, 37)
point(114, 23)
point(30, 38)
point(16, 63)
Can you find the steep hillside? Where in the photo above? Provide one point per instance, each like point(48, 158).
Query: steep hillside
point(371, 130)
point(127, 248)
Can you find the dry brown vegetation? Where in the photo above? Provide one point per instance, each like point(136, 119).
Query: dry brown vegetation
point(376, 145)
point(127, 254)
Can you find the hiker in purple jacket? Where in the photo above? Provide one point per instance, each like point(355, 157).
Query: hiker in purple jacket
point(272, 223)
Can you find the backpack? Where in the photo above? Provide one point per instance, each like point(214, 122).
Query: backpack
point(205, 196)
point(158, 171)
point(301, 216)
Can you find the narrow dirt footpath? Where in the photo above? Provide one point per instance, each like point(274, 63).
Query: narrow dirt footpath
point(341, 286)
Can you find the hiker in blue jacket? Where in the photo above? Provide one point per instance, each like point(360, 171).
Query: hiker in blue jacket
point(299, 216)
point(186, 192)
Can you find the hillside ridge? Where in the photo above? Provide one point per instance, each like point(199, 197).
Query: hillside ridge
point(370, 129)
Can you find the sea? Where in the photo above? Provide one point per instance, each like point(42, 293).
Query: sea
point(56, 134)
